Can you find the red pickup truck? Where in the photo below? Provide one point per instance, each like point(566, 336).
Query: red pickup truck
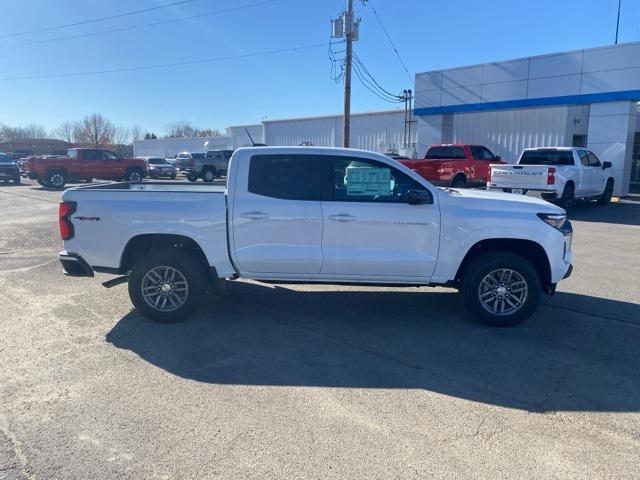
point(456, 165)
point(52, 171)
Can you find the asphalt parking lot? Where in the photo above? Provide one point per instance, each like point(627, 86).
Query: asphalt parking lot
point(316, 381)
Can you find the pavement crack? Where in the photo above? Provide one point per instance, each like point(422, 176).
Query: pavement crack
point(16, 449)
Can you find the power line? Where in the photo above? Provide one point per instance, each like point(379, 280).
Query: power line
point(390, 41)
point(93, 20)
point(143, 25)
point(164, 65)
point(371, 81)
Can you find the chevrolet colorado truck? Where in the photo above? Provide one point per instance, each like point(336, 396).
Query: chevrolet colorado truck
point(54, 172)
point(316, 215)
point(456, 165)
point(557, 174)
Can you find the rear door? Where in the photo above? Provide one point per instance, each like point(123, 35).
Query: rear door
point(111, 165)
point(276, 217)
point(370, 231)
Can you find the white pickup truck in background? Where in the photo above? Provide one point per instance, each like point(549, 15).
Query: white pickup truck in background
point(316, 215)
point(558, 174)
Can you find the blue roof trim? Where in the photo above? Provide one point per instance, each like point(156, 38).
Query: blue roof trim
point(532, 102)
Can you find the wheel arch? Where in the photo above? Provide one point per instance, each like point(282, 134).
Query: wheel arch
point(137, 247)
point(528, 249)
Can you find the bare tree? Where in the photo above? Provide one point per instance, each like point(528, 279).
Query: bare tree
point(97, 130)
point(208, 132)
point(32, 130)
point(68, 131)
point(181, 129)
point(136, 132)
point(121, 136)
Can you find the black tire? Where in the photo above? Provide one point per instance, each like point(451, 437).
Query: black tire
point(209, 174)
point(487, 264)
point(55, 180)
point(459, 181)
point(189, 268)
point(134, 176)
point(88, 180)
point(605, 198)
point(42, 183)
point(568, 196)
point(173, 177)
point(192, 177)
point(17, 180)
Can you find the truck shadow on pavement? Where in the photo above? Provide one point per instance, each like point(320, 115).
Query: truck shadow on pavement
point(561, 359)
point(617, 213)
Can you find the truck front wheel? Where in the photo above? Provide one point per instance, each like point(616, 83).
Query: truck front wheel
point(501, 289)
point(167, 285)
point(55, 180)
point(133, 176)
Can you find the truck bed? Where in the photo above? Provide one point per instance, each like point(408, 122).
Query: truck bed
point(110, 215)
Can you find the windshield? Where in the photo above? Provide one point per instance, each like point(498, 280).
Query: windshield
point(546, 157)
point(157, 161)
point(4, 158)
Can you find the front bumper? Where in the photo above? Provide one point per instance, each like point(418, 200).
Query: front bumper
point(74, 265)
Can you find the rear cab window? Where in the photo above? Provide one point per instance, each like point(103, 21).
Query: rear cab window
point(445, 153)
point(481, 153)
point(546, 157)
point(288, 177)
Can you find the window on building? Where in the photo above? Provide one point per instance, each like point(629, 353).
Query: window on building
point(290, 177)
point(579, 141)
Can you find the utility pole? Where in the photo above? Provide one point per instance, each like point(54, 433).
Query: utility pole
point(618, 21)
point(348, 33)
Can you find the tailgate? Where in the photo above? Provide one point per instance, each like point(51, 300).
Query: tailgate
point(530, 177)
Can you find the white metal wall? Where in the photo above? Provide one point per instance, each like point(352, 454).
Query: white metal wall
point(239, 137)
point(170, 147)
point(377, 131)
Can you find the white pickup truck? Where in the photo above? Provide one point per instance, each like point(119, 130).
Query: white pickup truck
point(557, 174)
point(316, 215)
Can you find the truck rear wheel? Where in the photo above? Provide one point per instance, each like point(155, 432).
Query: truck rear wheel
point(167, 285)
point(501, 289)
point(568, 196)
point(208, 174)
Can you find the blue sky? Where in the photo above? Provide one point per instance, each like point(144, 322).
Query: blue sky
point(429, 35)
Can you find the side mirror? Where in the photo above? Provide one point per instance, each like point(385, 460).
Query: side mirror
point(419, 197)
point(606, 165)
point(497, 157)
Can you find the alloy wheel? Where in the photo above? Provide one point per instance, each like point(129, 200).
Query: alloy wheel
point(164, 288)
point(503, 292)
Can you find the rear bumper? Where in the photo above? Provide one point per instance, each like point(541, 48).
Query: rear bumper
point(74, 265)
point(533, 192)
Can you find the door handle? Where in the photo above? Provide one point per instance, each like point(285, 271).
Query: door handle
point(254, 215)
point(342, 217)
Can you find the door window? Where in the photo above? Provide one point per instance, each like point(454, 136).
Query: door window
point(584, 158)
point(106, 155)
point(481, 153)
point(352, 179)
point(92, 155)
point(290, 177)
point(593, 160)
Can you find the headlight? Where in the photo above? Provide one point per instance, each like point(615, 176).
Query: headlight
point(556, 220)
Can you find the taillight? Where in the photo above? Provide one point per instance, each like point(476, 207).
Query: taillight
point(551, 176)
point(64, 215)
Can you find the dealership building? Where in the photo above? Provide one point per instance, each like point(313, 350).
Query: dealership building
point(585, 98)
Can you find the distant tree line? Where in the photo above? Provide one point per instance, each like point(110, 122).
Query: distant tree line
point(98, 131)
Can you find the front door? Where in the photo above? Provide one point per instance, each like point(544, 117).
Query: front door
point(277, 219)
point(370, 231)
point(598, 176)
